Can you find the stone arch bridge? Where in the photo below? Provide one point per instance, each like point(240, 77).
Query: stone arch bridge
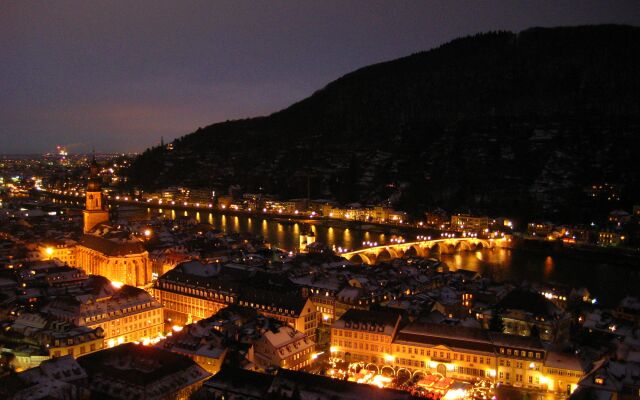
point(425, 248)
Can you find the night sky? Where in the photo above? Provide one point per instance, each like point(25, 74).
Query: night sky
point(119, 75)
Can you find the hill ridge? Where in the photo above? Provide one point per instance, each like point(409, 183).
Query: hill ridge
point(434, 127)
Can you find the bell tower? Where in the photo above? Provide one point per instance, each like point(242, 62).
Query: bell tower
point(94, 212)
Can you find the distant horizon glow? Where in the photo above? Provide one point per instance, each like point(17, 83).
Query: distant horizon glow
point(118, 78)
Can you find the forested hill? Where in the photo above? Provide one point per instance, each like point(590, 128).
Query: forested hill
point(499, 122)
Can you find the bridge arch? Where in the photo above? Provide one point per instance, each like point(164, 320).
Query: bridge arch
point(361, 257)
point(412, 252)
point(427, 248)
point(385, 255)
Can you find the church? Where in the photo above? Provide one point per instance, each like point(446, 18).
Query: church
point(105, 250)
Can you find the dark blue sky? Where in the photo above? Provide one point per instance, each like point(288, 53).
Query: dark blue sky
point(118, 75)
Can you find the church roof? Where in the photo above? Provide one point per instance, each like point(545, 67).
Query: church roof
point(112, 247)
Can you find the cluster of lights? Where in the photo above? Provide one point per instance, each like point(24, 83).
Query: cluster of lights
point(397, 240)
point(551, 296)
point(370, 244)
point(422, 237)
point(448, 235)
point(470, 234)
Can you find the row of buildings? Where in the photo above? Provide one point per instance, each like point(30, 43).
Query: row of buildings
point(128, 371)
point(380, 338)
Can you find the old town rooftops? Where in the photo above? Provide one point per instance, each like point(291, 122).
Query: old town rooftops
point(255, 385)
point(141, 365)
point(241, 381)
point(112, 247)
point(287, 340)
point(465, 338)
point(379, 321)
point(316, 386)
point(255, 297)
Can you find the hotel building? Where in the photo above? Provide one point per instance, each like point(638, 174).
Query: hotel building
point(452, 351)
point(193, 291)
point(124, 314)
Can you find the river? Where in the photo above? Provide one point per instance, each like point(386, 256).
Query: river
point(606, 281)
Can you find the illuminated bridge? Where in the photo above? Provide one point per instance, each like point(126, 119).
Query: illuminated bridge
point(425, 248)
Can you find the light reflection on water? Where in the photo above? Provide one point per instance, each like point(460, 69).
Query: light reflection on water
point(603, 280)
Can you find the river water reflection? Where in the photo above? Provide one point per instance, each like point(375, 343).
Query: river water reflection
point(606, 281)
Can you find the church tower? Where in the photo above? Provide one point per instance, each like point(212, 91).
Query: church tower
point(94, 211)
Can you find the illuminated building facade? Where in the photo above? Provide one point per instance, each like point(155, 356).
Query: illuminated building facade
point(453, 351)
point(64, 252)
point(283, 347)
point(116, 257)
point(124, 314)
point(469, 223)
point(193, 291)
point(362, 335)
point(296, 311)
point(103, 250)
point(201, 342)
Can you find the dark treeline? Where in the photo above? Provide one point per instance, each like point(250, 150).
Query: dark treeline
point(500, 123)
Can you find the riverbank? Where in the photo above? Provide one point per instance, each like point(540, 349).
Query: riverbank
point(611, 255)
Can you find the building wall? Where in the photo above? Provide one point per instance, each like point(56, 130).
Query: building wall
point(469, 222)
point(510, 366)
point(132, 269)
point(76, 350)
point(185, 308)
point(356, 345)
point(266, 355)
point(136, 325)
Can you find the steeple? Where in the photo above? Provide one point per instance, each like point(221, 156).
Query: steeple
point(94, 184)
point(94, 212)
